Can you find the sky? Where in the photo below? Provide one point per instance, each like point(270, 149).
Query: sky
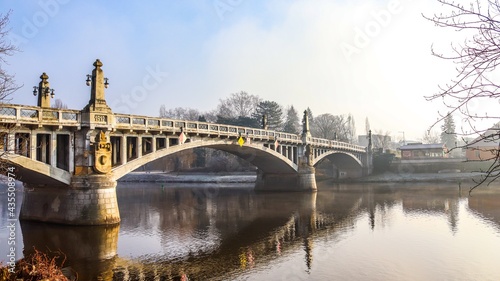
point(368, 58)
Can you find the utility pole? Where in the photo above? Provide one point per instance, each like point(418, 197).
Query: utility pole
point(404, 140)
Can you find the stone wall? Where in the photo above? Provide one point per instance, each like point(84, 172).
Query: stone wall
point(88, 201)
point(434, 166)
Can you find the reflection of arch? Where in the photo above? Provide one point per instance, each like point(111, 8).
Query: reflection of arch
point(345, 158)
point(266, 159)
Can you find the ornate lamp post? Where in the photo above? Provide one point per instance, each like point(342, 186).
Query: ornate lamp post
point(43, 91)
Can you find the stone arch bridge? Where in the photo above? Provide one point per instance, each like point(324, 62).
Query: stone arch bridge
point(70, 160)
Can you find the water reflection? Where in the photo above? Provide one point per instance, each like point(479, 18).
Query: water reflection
point(89, 250)
point(416, 200)
point(485, 204)
point(217, 228)
point(207, 232)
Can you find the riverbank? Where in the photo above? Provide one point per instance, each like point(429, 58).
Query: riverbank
point(458, 177)
point(250, 177)
point(184, 177)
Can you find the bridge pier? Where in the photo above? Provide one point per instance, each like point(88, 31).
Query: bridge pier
point(89, 200)
point(304, 180)
point(71, 158)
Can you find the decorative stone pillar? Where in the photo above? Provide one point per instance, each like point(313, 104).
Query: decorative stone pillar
point(97, 113)
point(368, 163)
point(306, 132)
point(306, 171)
point(53, 149)
point(43, 91)
point(33, 144)
point(303, 180)
point(264, 122)
point(123, 149)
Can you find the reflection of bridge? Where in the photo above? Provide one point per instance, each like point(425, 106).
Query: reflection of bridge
point(262, 228)
point(250, 235)
point(89, 150)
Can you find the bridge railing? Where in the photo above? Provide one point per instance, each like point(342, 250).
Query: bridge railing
point(125, 121)
point(337, 144)
point(21, 114)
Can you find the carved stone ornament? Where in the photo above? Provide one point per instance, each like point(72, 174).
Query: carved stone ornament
point(102, 163)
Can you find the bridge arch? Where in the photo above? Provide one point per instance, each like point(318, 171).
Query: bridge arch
point(266, 159)
point(336, 156)
point(35, 172)
point(346, 163)
point(90, 196)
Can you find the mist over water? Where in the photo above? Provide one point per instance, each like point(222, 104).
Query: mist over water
point(342, 232)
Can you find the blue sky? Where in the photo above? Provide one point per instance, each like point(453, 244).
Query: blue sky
point(364, 57)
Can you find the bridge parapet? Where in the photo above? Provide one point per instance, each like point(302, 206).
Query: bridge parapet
point(326, 143)
point(87, 150)
point(147, 124)
point(34, 115)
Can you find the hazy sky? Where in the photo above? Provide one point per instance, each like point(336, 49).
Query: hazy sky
point(368, 58)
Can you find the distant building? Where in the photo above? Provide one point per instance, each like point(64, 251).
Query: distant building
point(484, 147)
point(423, 151)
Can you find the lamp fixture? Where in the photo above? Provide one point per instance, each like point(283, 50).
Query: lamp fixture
point(89, 81)
point(44, 90)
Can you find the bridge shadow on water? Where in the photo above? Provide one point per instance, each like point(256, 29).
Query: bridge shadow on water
point(216, 232)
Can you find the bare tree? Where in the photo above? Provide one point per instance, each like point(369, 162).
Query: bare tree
point(324, 126)
point(381, 140)
point(7, 82)
point(7, 86)
point(476, 59)
point(334, 127)
point(431, 136)
point(59, 104)
point(238, 104)
point(181, 113)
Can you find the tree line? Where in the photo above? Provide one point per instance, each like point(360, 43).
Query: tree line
point(244, 109)
point(247, 110)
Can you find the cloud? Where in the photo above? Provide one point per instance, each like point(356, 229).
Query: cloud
point(299, 60)
point(369, 58)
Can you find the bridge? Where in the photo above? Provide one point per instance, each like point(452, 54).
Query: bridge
point(70, 160)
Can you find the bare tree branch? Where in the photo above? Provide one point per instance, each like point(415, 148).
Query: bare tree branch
point(7, 87)
point(7, 83)
point(476, 60)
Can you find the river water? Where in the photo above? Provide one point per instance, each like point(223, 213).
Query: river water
point(342, 232)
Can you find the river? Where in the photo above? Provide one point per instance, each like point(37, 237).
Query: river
point(417, 231)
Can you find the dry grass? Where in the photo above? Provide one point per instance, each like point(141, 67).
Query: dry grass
point(37, 266)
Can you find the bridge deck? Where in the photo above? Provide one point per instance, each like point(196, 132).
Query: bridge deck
point(37, 117)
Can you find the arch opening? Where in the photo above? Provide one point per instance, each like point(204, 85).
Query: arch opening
point(339, 166)
point(265, 159)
